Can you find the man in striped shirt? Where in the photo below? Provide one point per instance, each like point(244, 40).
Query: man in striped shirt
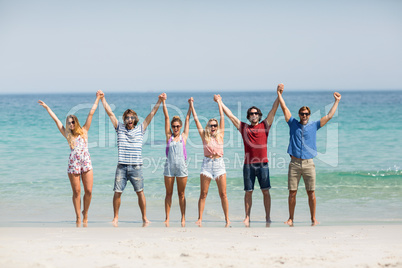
point(129, 142)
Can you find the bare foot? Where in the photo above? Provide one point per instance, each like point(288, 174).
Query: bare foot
point(289, 222)
point(167, 223)
point(78, 223)
point(227, 224)
point(85, 215)
point(199, 222)
point(183, 222)
point(314, 222)
point(115, 222)
point(246, 221)
point(145, 222)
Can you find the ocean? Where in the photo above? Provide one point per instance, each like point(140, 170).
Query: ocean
point(359, 176)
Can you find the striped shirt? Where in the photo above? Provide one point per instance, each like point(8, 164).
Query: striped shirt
point(129, 143)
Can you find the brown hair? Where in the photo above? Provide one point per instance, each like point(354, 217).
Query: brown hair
point(129, 111)
point(258, 111)
point(304, 108)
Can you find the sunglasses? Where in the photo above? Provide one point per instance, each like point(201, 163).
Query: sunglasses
point(176, 126)
point(214, 125)
point(256, 113)
point(130, 117)
point(304, 114)
point(71, 123)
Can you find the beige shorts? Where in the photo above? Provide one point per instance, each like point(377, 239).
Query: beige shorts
point(298, 168)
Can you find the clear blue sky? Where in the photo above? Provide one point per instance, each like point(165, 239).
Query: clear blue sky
point(74, 46)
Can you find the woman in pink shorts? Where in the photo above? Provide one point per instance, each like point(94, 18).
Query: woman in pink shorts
point(213, 166)
point(79, 162)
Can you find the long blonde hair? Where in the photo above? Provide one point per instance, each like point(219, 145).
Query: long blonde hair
point(76, 131)
point(207, 131)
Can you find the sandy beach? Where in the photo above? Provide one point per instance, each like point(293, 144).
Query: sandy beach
point(320, 246)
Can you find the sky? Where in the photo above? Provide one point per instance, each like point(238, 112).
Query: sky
point(172, 45)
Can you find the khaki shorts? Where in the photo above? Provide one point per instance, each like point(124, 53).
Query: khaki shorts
point(298, 168)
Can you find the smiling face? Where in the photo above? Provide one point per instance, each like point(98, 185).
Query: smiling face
point(71, 123)
point(253, 116)
point(213, 126)
point(176, 126)
point(304, 115)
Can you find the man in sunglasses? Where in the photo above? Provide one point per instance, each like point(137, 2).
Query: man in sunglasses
point(302, 149)
point(129, 142)
point(255, 137)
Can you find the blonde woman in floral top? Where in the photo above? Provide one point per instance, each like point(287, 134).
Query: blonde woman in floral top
point(79, 163)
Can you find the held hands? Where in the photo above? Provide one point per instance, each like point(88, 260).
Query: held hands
point(217, 98)
point(337, 96)
point(191, 100)
point(163, 97)
point(279, 89)
point(100, 94)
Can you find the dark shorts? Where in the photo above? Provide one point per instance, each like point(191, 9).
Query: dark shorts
point(250, 171)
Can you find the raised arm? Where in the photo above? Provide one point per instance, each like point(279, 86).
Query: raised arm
point(197, 122)
point(331, 113)
point(218, 99)
point(59, 124)
point(168, 133)
point(151, 115)
point(229, 114)
point(108, 110)
point(87, 124)
point(187, 123)
point(285, 109)
point(271, 114)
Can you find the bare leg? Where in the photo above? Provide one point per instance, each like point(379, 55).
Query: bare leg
point(248, 201)
point(116, 207)
point(221, 183)
point(204, 181)
point(76, 187)
point(267, 205)
point(181, 187)
point(292, 205)
point(312, 205)
point(169, 182)
point(87, 181)
point(143, 206)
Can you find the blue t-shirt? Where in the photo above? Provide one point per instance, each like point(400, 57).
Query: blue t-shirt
point(302, 142)
point(129, 143)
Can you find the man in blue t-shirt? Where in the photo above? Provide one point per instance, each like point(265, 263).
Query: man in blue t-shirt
point(129, 143)
point(302, 149)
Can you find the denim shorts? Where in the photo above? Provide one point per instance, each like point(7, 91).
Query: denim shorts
point(213, 168)
point(128, 172)
point(260, 170)
point(175, 169)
